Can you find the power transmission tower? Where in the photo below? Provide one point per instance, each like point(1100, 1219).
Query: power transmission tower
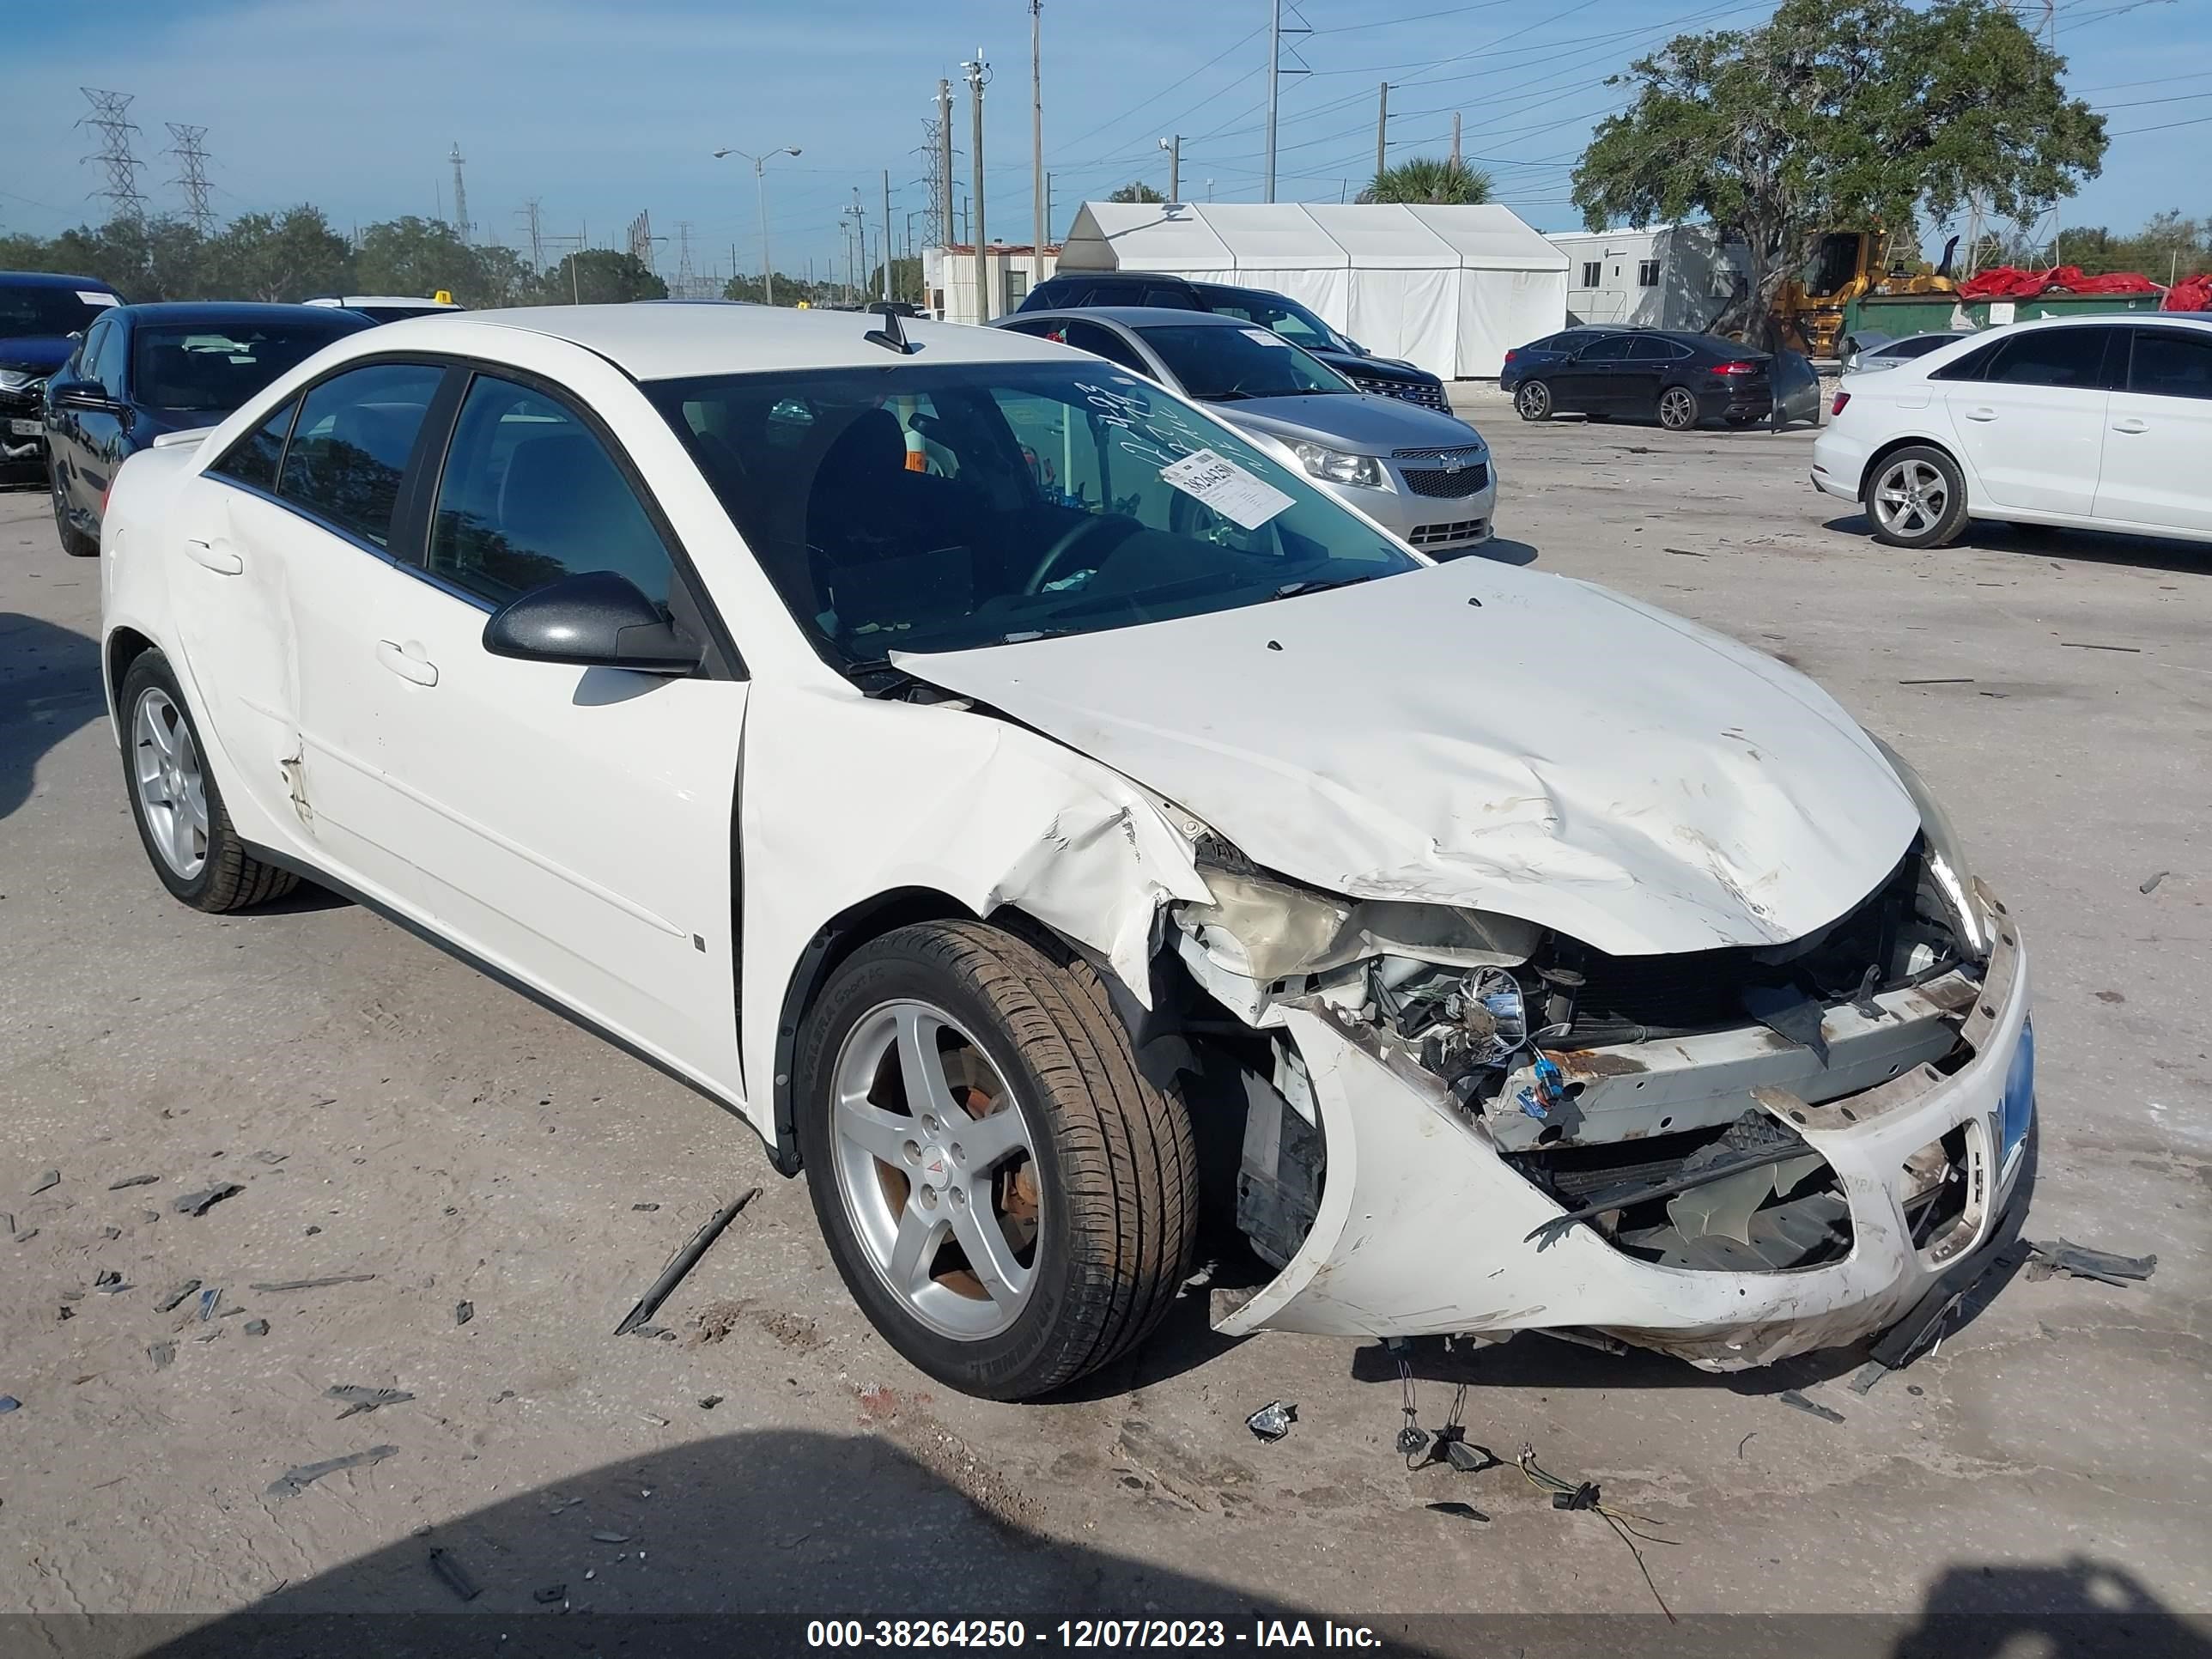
point(111, 119)
point(461, 197)
point(185, 144)
point(529, 213)
point(641, 240)
point(686, 280)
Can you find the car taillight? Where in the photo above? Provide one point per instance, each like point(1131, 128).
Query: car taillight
point(1510, 355)
point(1737, 368)
point(1842, 398)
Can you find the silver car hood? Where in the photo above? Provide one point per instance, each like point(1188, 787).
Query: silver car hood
point(1357, 423)
point(1476, 735)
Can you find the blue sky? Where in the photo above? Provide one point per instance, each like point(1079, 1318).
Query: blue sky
point(600, 109)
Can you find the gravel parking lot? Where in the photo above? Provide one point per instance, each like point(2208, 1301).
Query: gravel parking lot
point(392, 1118)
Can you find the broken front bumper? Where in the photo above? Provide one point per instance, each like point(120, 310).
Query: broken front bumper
point(1423, 1228)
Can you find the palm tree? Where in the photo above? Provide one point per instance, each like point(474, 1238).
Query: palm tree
point(1425, 178)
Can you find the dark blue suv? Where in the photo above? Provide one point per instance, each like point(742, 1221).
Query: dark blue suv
point(41, 315)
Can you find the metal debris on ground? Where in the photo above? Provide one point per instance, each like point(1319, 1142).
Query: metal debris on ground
point(51, 1178)
point(256, 1327)
point(1460, 1511)
point(360, 1399)
point(682, 1261)
point(177, 1293)
point(709, 1402)
point(272, 1159)
point(1578, 1495)
point(294, 1481)
point(2153, 880)
point(1272, 1421)
point(2090, 645)
point(645, 1207)
point(208, 1300)
point(454, 1575)
point(161, 1354)
point(133, 1180)
point(200, 1203)
point(2063, 1256)
point(1793, 1398)
point(464, 1312)
point(27, 1235)
point(314, 1284)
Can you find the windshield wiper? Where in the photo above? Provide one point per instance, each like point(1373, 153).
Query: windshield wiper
point(1220, 396)
point(1289, 590)
point(879, 678)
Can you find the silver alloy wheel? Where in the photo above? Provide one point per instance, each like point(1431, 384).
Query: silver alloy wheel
point(1910, 498)
point(171, 791)
point(936, 1168)
point(1678, 410)
point(1533, 401)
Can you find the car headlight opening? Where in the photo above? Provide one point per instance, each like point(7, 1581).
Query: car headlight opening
point(1335, 466)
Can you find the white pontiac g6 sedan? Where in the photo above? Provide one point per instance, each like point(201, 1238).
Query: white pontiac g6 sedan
point(1019, 797)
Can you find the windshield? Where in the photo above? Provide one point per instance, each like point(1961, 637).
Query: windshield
point(211, 369)
point(26, 311)
point(932, 508)
point(1223, 364)
point(1276, 313)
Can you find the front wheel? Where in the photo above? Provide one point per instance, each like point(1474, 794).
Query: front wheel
point(1009, 1200)
point(176, 803)
point(1917, 498)
point(1533, 401)
point(1678, 409)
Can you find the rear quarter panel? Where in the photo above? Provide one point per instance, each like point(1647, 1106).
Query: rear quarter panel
point(134, 575)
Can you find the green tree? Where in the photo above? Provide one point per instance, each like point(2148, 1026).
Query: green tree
point(602, 275)
point(1427, 179)
point(415, 256)
point(289, 256)
point(1838, 114)
point(1136, 190)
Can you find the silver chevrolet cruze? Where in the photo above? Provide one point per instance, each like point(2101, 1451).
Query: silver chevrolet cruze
point(1423, 476)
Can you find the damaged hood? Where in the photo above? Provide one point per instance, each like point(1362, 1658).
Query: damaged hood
point(1476, 735)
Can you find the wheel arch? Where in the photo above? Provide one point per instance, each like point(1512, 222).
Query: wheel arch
point(829, 948)
point(1915, 442)
point(122, 647)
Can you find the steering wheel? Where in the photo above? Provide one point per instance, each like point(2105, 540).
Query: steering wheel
point(1068, 541)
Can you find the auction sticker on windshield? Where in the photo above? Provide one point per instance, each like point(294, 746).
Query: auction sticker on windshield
point(1262, 337)
point(1217, 482)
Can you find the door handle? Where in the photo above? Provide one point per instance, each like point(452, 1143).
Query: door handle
point(405, 663)
point(220, 560)
point(1983, 414)
point(2131, 425)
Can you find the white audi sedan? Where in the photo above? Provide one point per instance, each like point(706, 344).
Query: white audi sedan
point(2099, 423)
point(1004, 841)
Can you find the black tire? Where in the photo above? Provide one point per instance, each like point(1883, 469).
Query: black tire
point(1939, 519)
point(1532, 401)
point(75, 542)
point(1677, 409)
point(1117, 1165)
point(228, 879)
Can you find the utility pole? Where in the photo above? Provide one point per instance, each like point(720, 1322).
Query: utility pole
point(1275, 71)
point(1454, 139)
point(860, 232)
point(1382, 130)
point(978, 74)
point(943, 202)
point(185, 144)
point(887, 233)
point(1174, 147)
point(111, 119)
point(1043, 213)
point(460, 196)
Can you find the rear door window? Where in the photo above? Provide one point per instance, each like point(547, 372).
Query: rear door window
point(2053, 357)
point(349, 448)
point(253, 459)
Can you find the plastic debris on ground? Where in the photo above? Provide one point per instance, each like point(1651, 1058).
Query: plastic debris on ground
point(359, 1398)
point(2080, 1261)
point(454, 1575)
point(1793, 1398)
point(296, 1480)
point(199, 1203)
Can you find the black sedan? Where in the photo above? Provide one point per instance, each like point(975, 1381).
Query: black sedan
point(141, 371)
point(1678, 379)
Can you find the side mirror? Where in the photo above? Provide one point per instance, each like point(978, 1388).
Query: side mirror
point(79, 394)
point(595, 620)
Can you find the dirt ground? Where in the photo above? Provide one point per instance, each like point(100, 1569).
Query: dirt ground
point(390, 1117)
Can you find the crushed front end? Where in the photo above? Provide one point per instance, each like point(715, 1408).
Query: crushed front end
point(1468, 1125)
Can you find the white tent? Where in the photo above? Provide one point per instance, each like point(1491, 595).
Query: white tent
point(1448, 287)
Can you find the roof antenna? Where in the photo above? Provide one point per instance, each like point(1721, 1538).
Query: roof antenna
point(890, 336)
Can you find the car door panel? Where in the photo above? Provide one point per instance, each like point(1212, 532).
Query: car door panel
point(2159, 433)
point(99, 432)
point(2033, 430)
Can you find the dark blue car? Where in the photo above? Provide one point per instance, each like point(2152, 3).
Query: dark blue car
point(141, 371)
point(40, 316)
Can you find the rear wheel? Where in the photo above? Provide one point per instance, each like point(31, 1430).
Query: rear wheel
point(75, 542)
point(1010, 1203)
point(1533, 401)
point(1678, 409)
point(176, 803)
point(1916, 497)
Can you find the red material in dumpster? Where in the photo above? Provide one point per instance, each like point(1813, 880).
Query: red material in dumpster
point(2190, 293)
point(2011, 282)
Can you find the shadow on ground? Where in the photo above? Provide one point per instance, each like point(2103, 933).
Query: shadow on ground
point(731, 1546)
point(49, 687)
point(2086, 546)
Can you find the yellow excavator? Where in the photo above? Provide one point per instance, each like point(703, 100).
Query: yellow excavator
point(1846, 265)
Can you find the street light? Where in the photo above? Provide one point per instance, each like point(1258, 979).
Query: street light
point(760, 189)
